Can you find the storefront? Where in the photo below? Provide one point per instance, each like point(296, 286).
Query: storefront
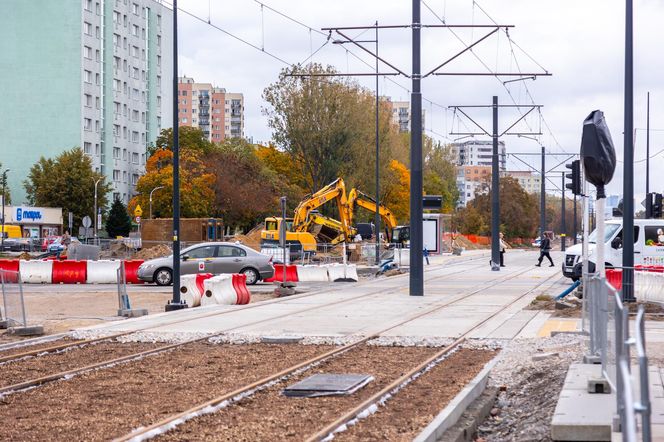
point(35, 222)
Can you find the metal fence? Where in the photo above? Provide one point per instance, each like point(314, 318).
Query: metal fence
point(610, 341)
point(12, 299)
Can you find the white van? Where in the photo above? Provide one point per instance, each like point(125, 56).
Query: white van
point(648, 246)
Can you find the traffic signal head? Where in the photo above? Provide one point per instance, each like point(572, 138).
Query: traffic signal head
point(575, 177)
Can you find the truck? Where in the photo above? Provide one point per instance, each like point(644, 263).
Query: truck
point(648, 247)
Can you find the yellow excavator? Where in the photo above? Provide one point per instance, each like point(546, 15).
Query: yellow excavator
point(308, 227)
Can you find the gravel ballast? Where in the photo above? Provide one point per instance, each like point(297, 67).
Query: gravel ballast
point(269, 415)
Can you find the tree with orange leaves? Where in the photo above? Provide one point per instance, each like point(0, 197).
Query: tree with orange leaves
point(196, 185)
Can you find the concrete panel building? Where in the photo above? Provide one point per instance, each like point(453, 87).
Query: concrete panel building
point(478, 153)
point(471, 179)
point(84, 73)
point(530, 181)
point(219, 114)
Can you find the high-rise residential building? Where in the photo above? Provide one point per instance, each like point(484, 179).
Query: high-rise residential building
point(401, 114)
point(90, 73)
point(219, 114)
point(470, 179)
point(478, 153)
point(530, 181)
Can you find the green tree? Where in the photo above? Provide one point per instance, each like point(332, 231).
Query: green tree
point(519, 212)
point(320, 122)
point(67, 181)
point(118, 222)
point(188, 138)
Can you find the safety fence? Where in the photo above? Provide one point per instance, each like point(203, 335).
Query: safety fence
point(610, 341)
point(13, 304)
point(55, 271)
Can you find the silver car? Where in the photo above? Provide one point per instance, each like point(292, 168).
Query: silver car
point(210, 257)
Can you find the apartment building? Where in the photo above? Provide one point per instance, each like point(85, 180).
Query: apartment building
point(401, 113)
point(530, 181)
point(471, 179)
point(88, 73)
point(479, 153)
point(219, 114)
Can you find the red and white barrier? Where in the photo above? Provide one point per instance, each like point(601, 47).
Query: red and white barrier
point(69, 272)
point(103, 272)
point(192, 288)
point(36, 272)
point(226, 289)
point(312, 274)
point(219, 290)
point(291, 273)
point(10, 266)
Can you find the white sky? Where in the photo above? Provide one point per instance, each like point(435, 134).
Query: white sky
point(580, 42)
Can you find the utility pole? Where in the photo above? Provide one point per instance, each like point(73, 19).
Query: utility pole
point(416, 240)
point(2, 232)
point(628, 171)
point(647, 145)
point(575, 226)
point(377, 214)
point(495, 193)
point(563, 227)
point(543, 196)
point(176, 303)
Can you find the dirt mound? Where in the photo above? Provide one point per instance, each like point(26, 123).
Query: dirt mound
point(252, 238)
point(26, 256)
point(153, 252)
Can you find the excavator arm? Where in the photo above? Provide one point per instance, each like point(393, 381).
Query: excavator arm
point(357, 198)
point(336, 190)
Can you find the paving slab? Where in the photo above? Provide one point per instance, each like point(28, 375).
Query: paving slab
point(371, 305)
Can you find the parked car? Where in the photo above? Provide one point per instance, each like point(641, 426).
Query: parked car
point(57, 246)
point(21, 244)
point(47, 241)
point(210, 257)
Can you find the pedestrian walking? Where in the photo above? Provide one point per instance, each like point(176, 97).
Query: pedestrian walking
point(545, 248)
point(503, 246)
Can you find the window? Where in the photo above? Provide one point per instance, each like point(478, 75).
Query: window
point(116, 176)
point(230, 251)
point(88, 5)
point(124, 65)
point(87, 52)
point(87, 76)
point(184, 120)
point(158, 80)
point(116, 40)
point(96, 125)
point(134, 115)
point(116, 153)
point(184, 101)
point(116, 130)
point(124, 176)
point(87, 123)
point(98, 8)
point(134, 136)
point(135, 94)
point(134, 179)
point(134, 158)
point(117, 85)
point(143, 36)
point(116, 17)
point(201, 252)
point(97, 103)
point(87, 148)
point(158, 60)
point(97, 55)
point(134, 30)
point(134, 73)
point(97, 79)
point(87, 28)
point(134, 51)
point(88, 100)
point(134, 8)
point(97, 32)
point(654, 236)
point(193, 111)
point(159, 20)
point(142, 54)
point(124, 154)
point(159, 40)
point(142, 117)
point(116, 107)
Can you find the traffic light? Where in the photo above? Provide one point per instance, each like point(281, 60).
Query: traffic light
point(575, 176)
point(657, 206)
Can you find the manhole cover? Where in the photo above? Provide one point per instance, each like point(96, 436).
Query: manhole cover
point(328, 385)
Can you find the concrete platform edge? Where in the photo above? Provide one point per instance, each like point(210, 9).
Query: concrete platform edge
point(449, 416)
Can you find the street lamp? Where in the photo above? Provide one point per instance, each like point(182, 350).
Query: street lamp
point(156, 188)
point(95, 223)
point(2, 232)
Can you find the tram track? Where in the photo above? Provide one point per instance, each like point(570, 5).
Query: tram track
point(226, 399)
point(70, 372)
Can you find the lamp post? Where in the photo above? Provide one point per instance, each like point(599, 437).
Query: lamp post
point(2, 232)
point(96, 217)
point(156, 188)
